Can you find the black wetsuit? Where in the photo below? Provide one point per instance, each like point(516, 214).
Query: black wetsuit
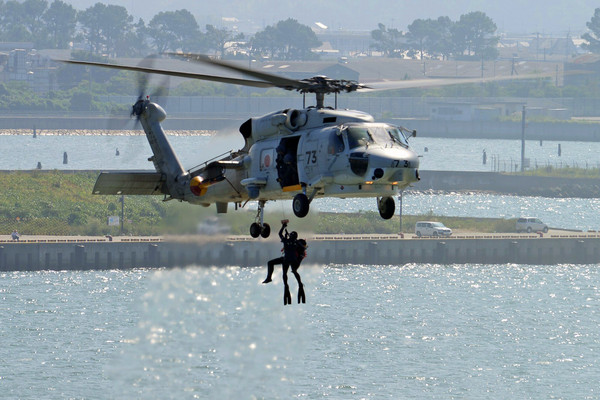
point(289, 255)
point(293, 253)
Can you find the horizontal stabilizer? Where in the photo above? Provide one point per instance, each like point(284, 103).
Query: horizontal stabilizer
point(130, 183)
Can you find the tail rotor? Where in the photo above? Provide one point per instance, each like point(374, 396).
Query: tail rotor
point(161, 91)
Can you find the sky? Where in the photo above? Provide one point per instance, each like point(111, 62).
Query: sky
point(524, 17)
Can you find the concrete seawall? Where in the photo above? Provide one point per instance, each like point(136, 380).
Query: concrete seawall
point(74, 254)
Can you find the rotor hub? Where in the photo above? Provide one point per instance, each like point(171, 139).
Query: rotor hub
point(322, 84)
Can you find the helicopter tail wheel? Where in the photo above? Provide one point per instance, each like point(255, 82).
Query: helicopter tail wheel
point(255, 230)
point(300, 204)
point(386, 207)
point(265, 231)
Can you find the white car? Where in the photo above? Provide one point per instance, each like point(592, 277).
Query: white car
point(212, 226)
point(431, 228)
point(531, 224)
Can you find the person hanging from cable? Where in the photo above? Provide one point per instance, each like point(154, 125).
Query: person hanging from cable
point(300, 253)
point(294, 250)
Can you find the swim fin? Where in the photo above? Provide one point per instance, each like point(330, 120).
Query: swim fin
point(287, 297)
point(301, 295)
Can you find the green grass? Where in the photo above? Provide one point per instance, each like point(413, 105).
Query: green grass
point(61, 203)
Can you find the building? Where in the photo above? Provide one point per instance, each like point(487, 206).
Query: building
point(450, 110)
point(20, 62)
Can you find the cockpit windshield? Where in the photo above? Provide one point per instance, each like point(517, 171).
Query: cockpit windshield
point(382, 134)
point(396, 135)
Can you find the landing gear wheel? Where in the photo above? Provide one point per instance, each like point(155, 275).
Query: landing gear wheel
point(300, 205)
point(265, 231)
point(386, 207)
point(255, 230)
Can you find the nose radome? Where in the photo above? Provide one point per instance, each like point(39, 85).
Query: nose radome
point(386, 158)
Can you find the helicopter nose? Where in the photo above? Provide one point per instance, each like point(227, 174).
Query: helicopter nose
point(393, 165)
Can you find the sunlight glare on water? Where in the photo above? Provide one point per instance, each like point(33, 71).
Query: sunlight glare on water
point(366, 332)
point(422, 331)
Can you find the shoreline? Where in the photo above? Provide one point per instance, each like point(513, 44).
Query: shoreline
point(152, 252)
point(98, 132)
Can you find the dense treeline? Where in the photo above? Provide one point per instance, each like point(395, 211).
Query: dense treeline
point(472, 36)
point(110, 30)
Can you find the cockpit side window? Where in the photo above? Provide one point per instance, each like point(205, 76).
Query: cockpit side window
point(336, 143)
point(358, 136)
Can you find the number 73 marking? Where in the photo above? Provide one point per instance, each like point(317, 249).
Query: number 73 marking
point(397, 163)
point(311, 157)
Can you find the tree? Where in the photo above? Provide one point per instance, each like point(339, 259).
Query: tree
point(388, 41)
point(593, 37)
point(265, 42)
point(419, 34)
point(440, 41)
point(33, 10)
point(105, 26)
point(287, 40)
point(135, 42)
point(59, 20)
point(173, 30)
point(13, 22)
point(216, 38)
point(473, 36)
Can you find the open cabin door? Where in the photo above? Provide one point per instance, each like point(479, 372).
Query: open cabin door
point(287, 162)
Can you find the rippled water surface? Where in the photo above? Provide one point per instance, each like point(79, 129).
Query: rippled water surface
point(98, 152)
point(570, 213)
point(366, 332)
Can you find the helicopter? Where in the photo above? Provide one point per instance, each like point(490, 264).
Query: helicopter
point(298, 154)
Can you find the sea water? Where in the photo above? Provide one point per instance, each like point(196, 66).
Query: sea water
point(366, 332)
point(99, 152)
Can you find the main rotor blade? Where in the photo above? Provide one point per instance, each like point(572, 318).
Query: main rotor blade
point(276, 80)
point(181, 74)
point(435, 82)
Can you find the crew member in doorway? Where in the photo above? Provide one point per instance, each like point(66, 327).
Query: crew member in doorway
point(279, 163)
point(290, 173)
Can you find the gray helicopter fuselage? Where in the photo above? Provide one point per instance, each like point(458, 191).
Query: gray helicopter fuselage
point(322, 152)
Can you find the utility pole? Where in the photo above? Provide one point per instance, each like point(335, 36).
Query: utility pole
point(122, 212)
point(400, 209)
point(523, 141)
